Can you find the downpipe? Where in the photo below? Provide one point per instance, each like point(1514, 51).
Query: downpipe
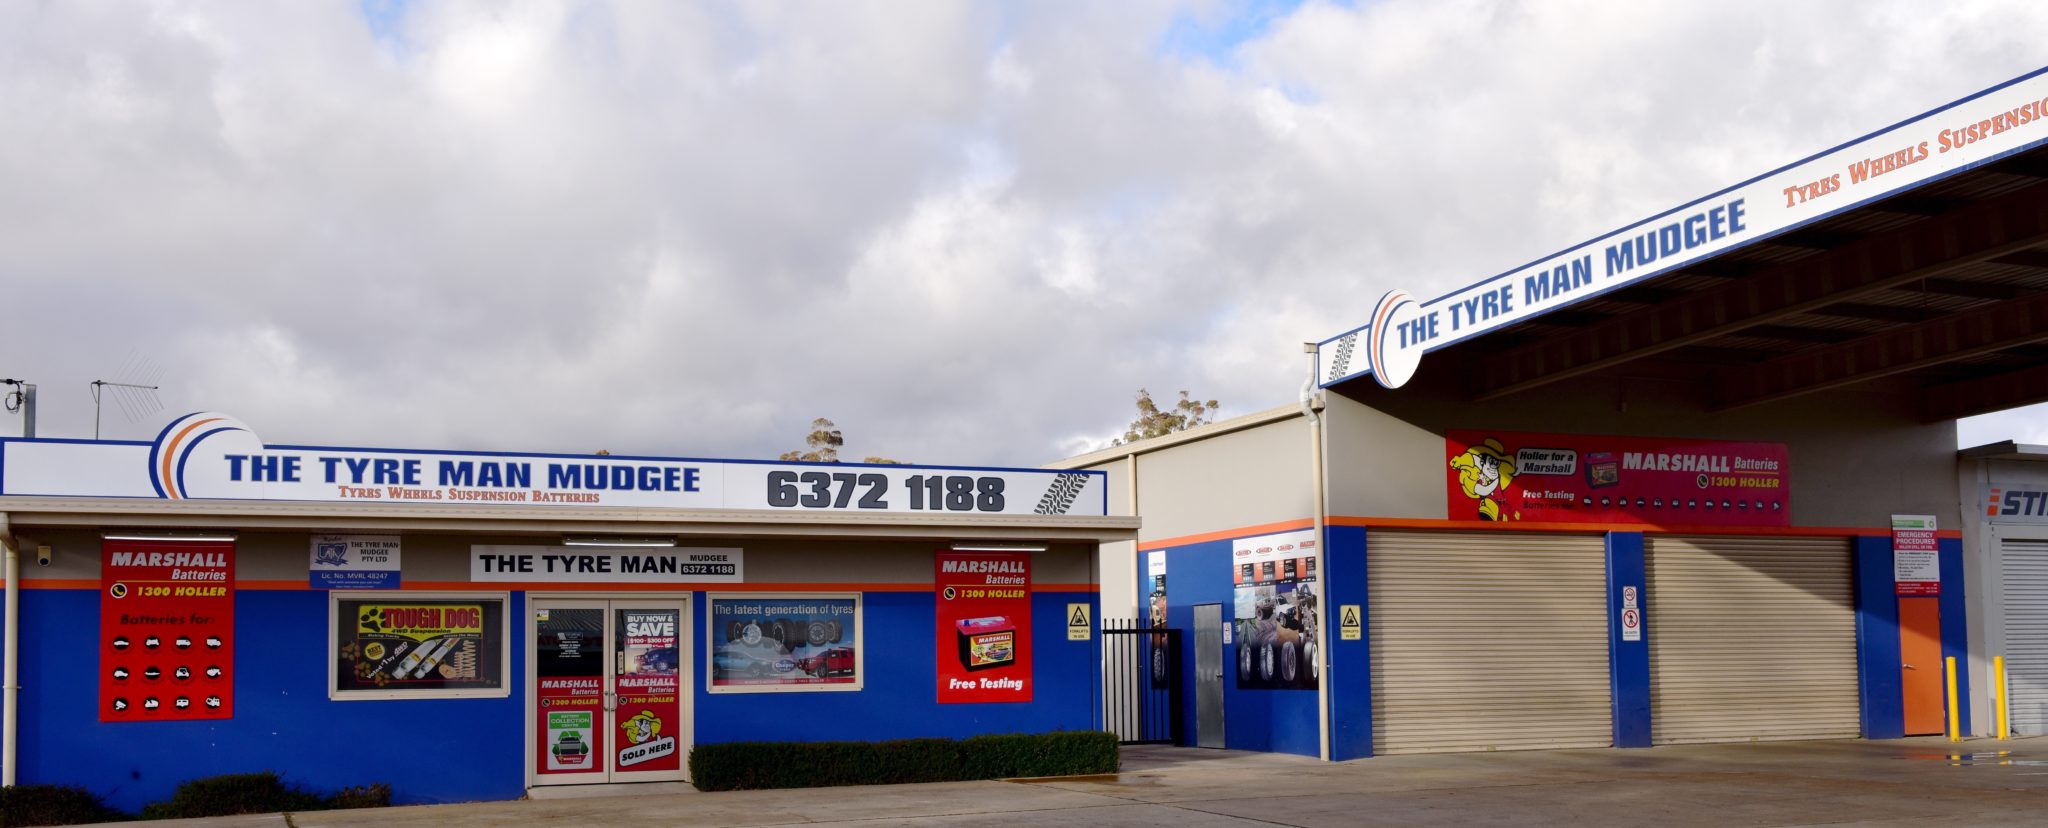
point(10, 674)
point(1322, 660)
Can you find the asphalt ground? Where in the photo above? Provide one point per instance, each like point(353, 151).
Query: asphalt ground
point(1917, 782)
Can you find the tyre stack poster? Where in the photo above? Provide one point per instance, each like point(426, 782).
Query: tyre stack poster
point(1275, 592)
point(779, 643)
point(984, 627)
point(167, 621)
point(649, 714)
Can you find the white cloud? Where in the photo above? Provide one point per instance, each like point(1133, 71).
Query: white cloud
point(966, 232)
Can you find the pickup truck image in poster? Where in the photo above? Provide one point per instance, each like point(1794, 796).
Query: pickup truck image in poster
point(772, 643)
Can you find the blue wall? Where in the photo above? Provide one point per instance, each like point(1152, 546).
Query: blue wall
point(437, 750)
point(455, 750)
point(1628, 662)
point(1350, 681)
point(1877, 639)
point(899, 697)
point(1281, 721)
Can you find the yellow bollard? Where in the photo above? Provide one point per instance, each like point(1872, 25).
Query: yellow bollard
point(1998, 687)
point(1955, 729)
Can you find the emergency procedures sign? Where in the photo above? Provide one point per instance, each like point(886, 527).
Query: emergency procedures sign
point(216, 457)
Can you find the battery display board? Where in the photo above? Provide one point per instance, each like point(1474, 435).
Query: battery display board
point(167, 623)
point(984, 627)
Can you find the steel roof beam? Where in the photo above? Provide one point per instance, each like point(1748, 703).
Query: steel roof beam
point(1984, 395)
point(1985, 230)
point(1936, 341)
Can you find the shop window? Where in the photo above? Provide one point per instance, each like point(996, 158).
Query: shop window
point(410, 645)
point(784, 643)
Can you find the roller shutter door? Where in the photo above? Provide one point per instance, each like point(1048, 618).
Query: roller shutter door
point(1750, 639)
point(1484, 641)
point(2023, 570)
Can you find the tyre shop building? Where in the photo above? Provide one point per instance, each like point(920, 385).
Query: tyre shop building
point(1642, 491)
point(467, 625)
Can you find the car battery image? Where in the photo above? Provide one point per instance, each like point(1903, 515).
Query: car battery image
point(986, 643)
point(1602, 469)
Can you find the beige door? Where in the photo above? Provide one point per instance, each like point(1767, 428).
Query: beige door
point(1750, 639)
point(1488, 641)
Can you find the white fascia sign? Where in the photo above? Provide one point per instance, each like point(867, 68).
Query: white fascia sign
point(2001, 121)
point(214, 456)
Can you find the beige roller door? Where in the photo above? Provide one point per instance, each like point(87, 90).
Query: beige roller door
point(1487, 640)
point(2023, 565)
point(1750, 639)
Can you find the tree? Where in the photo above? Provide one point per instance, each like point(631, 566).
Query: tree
point(825, 441)
point(1152, 422)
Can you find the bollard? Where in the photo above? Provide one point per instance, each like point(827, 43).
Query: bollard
point(1955, 729)
point(1998, 687)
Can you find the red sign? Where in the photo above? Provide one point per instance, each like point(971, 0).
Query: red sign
point(167, 623)
point(1916, 556)
point(649, 710)
point(984, 634)
point(1575, 478)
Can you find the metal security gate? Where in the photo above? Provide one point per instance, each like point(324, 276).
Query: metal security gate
point(1141, 680)
point(1488, 641)
point(2023, 571)
point(1750, 639)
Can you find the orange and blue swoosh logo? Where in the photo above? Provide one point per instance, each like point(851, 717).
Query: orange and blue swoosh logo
point(174, 446)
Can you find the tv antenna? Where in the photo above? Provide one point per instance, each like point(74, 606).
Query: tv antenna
point(136, 399)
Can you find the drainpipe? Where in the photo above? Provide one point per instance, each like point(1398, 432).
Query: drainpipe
point(1315, 440)
point(10, 682)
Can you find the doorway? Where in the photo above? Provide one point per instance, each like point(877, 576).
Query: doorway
point(1921, 671)
point(1209, 675)
point(607, 698)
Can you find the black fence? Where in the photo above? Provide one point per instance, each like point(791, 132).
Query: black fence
point(1141, 680)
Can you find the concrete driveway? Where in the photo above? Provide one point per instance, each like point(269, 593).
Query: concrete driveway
point(1916, 782)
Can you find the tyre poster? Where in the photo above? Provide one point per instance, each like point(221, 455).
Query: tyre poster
point(569, 655)
point(167, 621)
point(1275, 597)
point(768, 643)
point(418, 645)
point(1644, 481)
point(984, 627)
point(649, 709)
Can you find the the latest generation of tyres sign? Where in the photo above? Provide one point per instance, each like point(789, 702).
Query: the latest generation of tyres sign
point(213, 456)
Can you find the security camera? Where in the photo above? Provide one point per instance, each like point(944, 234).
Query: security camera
point(43, 555)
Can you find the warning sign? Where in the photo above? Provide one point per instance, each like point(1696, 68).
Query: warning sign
point(1628, 597)
point(1350, 624)
point(1079, 628)
point(1631, 624)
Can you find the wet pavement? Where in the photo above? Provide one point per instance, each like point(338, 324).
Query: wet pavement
point(1891, 783)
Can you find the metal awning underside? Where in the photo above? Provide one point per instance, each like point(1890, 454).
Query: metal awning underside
point(1942, 288)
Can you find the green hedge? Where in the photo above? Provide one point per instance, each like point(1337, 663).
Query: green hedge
point(53, 805)
point(258, 793)
point(734, 766)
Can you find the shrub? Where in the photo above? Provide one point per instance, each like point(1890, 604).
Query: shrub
point(1066, 753)
point(735, 766)
point(52, 805)
point(360, 796)
point(230, 794)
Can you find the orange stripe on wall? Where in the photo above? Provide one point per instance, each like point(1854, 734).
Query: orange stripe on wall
point(1228, 534)
point(470, 586)
point(1517, 526)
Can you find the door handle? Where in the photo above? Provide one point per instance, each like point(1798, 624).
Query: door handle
point(611, 701)
point(1911, 667)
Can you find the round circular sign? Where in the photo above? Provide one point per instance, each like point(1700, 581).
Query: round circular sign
point(1394, 351)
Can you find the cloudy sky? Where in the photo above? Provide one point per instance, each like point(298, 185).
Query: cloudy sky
point(966, 231)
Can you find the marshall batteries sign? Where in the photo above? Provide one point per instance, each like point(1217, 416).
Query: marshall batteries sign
point(1575, 478)
point(214, 456)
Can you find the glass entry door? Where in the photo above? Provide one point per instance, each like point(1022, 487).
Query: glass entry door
point(607, 690)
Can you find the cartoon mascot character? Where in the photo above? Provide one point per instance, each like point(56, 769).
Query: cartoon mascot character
point(1485, 471)
point(643, 727)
